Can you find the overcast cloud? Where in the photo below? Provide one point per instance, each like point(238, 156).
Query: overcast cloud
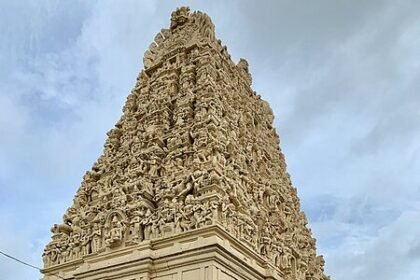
point(343, 78)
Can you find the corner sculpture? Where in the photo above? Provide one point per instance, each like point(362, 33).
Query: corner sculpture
point(194, 155)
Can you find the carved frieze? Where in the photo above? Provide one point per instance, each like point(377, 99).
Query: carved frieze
point(194, 147)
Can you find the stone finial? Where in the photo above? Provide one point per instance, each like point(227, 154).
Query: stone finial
point(179, 17)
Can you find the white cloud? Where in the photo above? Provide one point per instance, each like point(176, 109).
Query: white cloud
point(341, 77)
point(391, 252)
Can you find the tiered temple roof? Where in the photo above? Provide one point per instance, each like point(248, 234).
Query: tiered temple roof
point(195, 147)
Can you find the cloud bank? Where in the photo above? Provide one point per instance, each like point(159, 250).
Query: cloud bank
point(342, 78)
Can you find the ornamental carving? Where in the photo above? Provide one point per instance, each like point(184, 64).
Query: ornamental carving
point(195, 147)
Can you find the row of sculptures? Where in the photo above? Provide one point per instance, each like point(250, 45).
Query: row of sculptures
point(194, 147)
point(134, 221)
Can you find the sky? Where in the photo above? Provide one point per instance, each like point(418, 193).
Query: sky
point(342, 77)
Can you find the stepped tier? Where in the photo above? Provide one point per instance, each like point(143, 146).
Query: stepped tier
point(195, 148)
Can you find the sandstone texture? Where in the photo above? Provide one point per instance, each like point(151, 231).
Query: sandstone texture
point(192, 183)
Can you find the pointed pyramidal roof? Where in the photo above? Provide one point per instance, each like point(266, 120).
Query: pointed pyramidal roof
point(195, 147)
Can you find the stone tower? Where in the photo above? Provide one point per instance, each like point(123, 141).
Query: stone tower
point(192, 183)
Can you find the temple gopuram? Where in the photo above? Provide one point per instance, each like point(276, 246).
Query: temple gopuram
point(192, 183)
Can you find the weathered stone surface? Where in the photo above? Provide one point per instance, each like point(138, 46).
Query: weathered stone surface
point(194, 151)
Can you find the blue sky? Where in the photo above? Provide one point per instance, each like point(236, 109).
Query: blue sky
point(342, 77)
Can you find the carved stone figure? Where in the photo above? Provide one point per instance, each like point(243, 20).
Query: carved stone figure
point(86, 241)
point(96, 237)
point(116, 232)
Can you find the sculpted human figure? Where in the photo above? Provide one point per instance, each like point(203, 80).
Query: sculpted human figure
point(302, 270)
point(50, 255)
point(320, 263)
point(240, 225)
point(80, 200)
point(136, 228)
point(67, 253)
point(286, 258)
point(218, 159)
point(201, 113)
point(130, 185)
point(154, 222)
point(214, 208)
point(147, 186)
point(161, 224)
point(62, 250)
point(232, 219)
point(184, 188)
point(116, 232)
point(105, 189)
point(76, 246)
point(276, 252)
point(188, 221)
point(93, 197)
point(46, 256)
point(270, 197)
point(172, 206)
point(69, 250)
point(100, 214)
point(86, 242)
point(180, 118)
point(228, 208)
point(96, 237)
point(178, 217)
point(197, 178)
point(179, 164)
point(199, 215)
point(119, 198)
point(55, 253)
point(139, 224)
point(147, 224)
point(265, 242)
